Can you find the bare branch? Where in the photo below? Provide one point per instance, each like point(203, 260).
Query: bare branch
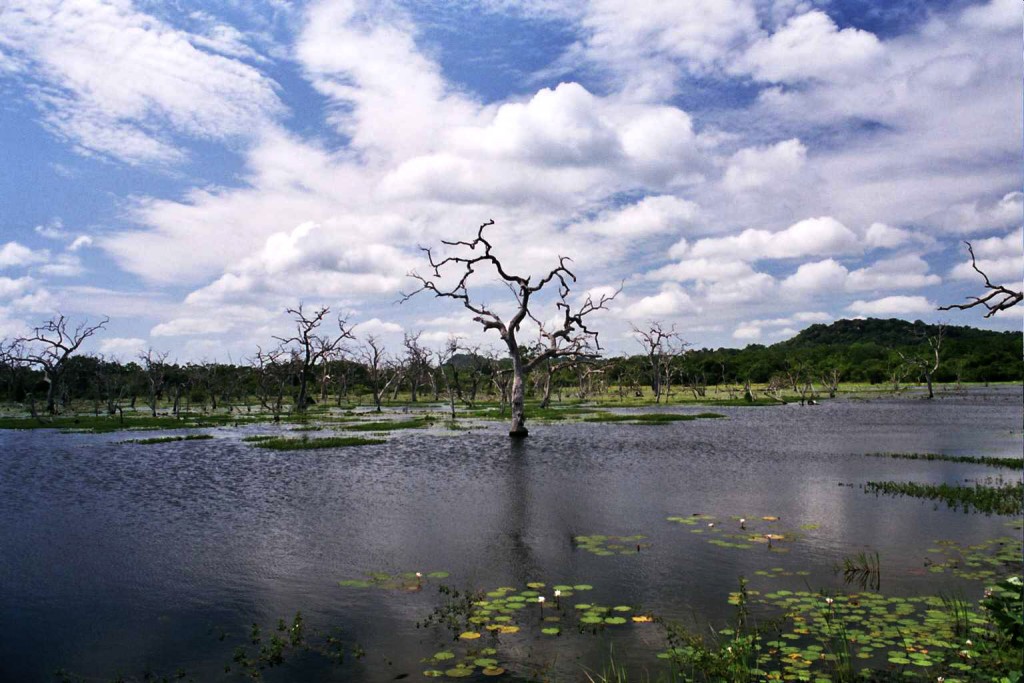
point(999, 297)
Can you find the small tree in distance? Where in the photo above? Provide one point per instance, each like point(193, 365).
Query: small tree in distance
point(569, 337)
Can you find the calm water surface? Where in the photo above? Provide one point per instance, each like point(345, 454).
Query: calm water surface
point(118, 558)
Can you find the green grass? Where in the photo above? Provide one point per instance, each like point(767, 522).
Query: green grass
point(1012, 463)
point(283, 444)
point(1004, 499)
point(391, 425)
point(651, 418)
point(169, 439)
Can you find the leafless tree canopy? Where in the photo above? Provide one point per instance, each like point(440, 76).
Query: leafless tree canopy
point(49, 347)
point(310, 347)
point(996, 298)
point(570, 337)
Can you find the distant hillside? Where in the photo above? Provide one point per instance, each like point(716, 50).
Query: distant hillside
point(866, 351)
point(893, 333)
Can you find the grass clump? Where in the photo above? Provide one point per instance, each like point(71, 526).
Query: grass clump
point(283, 444)
point(651, 418)
point(1012, 463)
point(169, 439)
point(391, 425)
point(1001, 499)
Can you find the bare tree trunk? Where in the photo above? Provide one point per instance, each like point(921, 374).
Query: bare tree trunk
point(518, 399)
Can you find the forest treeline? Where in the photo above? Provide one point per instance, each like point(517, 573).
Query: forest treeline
point(814, 362)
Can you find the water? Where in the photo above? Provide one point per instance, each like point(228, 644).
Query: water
point(120, 558)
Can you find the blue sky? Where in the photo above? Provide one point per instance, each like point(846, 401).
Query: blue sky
point(744, 168)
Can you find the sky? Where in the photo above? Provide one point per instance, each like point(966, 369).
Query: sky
point(742, 168)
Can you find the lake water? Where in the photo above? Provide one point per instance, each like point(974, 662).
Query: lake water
point(120, 558)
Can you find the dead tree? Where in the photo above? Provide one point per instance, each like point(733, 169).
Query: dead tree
point(417, 364)
point(48, 349)
point(661, 346)
point(154, 368)
point(997, 297)
point(830, 380)
point(310, 348)
point(274, 372)
point(379, 370)
point(927, 361)
point(444, 360)
point(568, 338)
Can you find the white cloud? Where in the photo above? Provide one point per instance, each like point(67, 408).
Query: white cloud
point(650, 216)
point(818, 277)
point(376, 326)
point(759, 166)
point(1005, 212)
point(809, 237)
point(1003, 15)
point(192, 326)
point(1001, 258)
point(795, 52)
point(903, 272)
point(647, 43)
point(117, 79)
point(11, 287)
point(882, 236)
point(892, 305)
point(747, 333)
point(125, 348)
point(15, 255)
point(670, 301)
point(80, 242)
point(63, 265)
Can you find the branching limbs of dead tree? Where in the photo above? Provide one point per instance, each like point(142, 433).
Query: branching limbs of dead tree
point(311, 348)
point(997, 297)
point(571, 336)
point(49, 347)
point(928, 360)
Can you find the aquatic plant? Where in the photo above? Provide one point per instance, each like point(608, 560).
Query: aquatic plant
point(1011, 463)
point(168, 439)
point(391, 425)
point(304, 444)
point(864, 569)
point(1001, 499)
point(402, 581)
point(602, 545)
point(651, 418)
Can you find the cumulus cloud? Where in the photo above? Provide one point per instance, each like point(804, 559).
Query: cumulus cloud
point(11, 287)
point(809, 237)
point(670, 301)
point(650, 216)
point(125, 348)
point(759, 166)
point(902, 272)
point(892, 305)
point(796, 51)
point(1001, 258)
point(15, 255)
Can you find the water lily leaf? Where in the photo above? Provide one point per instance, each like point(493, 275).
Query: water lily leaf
point(614, 620)
point(433, 673)
point(582, 587)
point(469, 635)
point(441, 656)
point(459, 672)
point(551, 631)
point(493, 671)
point(643, 619)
